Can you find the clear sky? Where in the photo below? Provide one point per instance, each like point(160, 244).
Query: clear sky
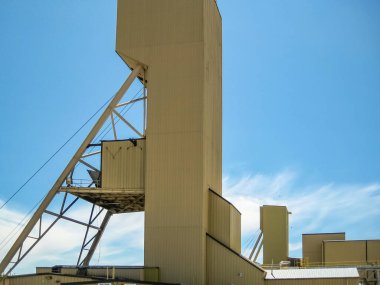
point(301, 97)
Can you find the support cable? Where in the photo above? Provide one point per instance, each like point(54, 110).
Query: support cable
point(54, 190)
point(14, 231)
point(249, 242)
point(47, 161)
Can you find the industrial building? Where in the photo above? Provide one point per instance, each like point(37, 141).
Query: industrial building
point(330, 249)
point(171, 169)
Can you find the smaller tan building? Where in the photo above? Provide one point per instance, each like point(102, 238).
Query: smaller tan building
point(351, 252)
point(275, 228)
point(312, 246)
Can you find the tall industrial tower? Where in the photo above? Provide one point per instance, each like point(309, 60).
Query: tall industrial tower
point(172, 168)
point(181, 43)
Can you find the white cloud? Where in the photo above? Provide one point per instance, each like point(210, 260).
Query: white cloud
point(315, 208)
point(122, 242)
point(318, 208)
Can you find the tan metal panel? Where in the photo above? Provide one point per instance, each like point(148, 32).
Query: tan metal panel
point(235, 229)
point(151, 274)
point(227, 267)
point(312, 273)
point(274, 225)
point(169, 37)
point(312, 246)
point(212, 123)
point(344, 252)
point(327, 281)
point(68, 271)
point(43, 269)
point(132, 273)
point(373, 251)
point(46, 279)
point(153, 25)
point(219, 219)
point(224, 221)
point(123, 165)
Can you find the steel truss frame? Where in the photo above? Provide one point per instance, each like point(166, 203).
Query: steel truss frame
point(22, 245)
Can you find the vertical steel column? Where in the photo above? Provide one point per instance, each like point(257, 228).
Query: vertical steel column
point(49, 197)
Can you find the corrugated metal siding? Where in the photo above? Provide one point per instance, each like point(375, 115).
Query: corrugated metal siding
point(133, 273)
point(212, 123)
point(183, 150)
point(219, 219)
point(224, 221)
point(44, 279)
point(344, 252)
point(312, 246)
point(274, 225)
point(123, 165)
point(69, 271)
point(331, 281)
point(235, 229)
point(167, 35)
point(43, 269)
point(312, 273)
point(136, 273)
point(373, 251)
point(151, 274)
point(226, 267)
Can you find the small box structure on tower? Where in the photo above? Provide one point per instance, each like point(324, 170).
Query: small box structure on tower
point(123, 173)
point(123, 165)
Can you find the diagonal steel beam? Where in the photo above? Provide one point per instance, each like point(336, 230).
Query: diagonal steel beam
point(128, 124)
point(255, 246)
point(70, 219)
point(86, 260)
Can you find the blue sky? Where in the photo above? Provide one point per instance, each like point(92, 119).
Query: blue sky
point(301, 93)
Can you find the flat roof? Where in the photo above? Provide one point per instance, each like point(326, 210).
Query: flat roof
point(324, 233)
point(320, 273)
point(350, 240)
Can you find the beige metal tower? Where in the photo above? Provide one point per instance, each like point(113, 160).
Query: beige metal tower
point(180, 41)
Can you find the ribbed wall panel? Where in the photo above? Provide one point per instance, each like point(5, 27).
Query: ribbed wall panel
point(224, 221)
point(136, 273)
point(312, 246)
point(213, 101)
point(275, 228)
point(373, 251)
point(235, 229)
point(43, 279)
point(226, 267)
point(43, 269)
point(344, 252)
point(184, 125)
point(219, 225)
point(326, 281)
